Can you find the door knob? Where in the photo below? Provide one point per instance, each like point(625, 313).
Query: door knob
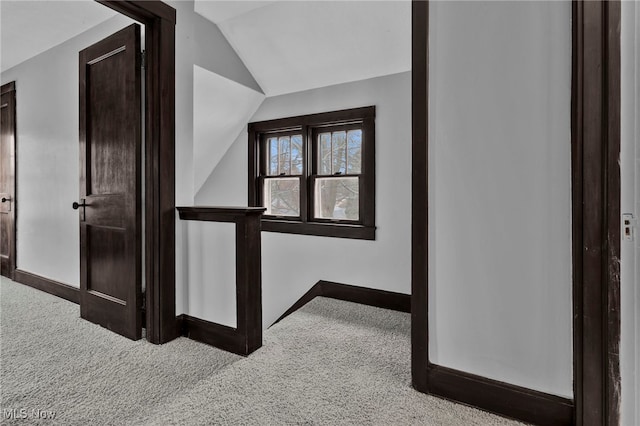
point(75, 205)
point(5, 199)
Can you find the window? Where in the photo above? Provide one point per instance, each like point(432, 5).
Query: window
point(315, 174)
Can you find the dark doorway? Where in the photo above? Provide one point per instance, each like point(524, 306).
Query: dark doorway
point(110, 176)
point(7, 180)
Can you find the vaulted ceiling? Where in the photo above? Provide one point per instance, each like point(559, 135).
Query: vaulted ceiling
point(291, 46)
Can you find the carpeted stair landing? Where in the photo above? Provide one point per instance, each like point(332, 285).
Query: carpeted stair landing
point(330, 363)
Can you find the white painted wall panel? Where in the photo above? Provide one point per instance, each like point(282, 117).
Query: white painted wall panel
point(212, 274)
point(630, 203)
point(500, 230)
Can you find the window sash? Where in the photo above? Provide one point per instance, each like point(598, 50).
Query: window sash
point(265, 187)
point(316, 148)
point(315, 197)
point(265, 153)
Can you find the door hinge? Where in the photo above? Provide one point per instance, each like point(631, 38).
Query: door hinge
point(143, 59)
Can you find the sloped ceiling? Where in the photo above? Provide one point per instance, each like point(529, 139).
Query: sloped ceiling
point(218, 11)
point(290, 46)
point(221, 109)
point(28, 28)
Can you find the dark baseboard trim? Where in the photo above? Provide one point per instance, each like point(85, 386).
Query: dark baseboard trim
point(306, 298)
point(72, 294)
point(500, 398)
point(210, 333)
point(367, 296)
point(362, 295)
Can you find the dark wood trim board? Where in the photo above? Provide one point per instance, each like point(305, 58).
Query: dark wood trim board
point(596, 210)
point(143, 11)
point(159, 20)
point(72, 294)
point(612, 181)
point(419, 194)
point(595, 149)
point(8, 87)
point(512, 401)
point(365, 296)
point(219, 336)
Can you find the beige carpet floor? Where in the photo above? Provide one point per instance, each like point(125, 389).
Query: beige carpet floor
point(330, 363)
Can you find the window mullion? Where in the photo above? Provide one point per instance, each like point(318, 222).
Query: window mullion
point(307, 152)
point(346, 153)
point(278, 156)
point(290, 157)
point(331, 151)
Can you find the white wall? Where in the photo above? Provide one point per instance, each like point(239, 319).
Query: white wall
point(211, 294)
point(48, 240)
point(630, 203)
point(291, 264)
point(500, 241)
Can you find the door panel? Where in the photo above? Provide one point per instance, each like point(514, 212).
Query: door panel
point(107, 142)
point(110, 216)
point(106, 249)
point(7, 180)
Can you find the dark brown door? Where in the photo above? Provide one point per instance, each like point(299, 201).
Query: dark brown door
point(109, 205)
point(7, 180)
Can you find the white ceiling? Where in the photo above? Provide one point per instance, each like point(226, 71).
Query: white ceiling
point(29, 28)
point(291, 46)
point(221, 10)
point(288, 46)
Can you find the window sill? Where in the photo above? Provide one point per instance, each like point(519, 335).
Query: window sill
point(336, 230)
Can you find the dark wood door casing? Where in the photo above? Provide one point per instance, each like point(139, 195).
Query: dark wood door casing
point(596, 196)
point(7, 180)
point(110, 176)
